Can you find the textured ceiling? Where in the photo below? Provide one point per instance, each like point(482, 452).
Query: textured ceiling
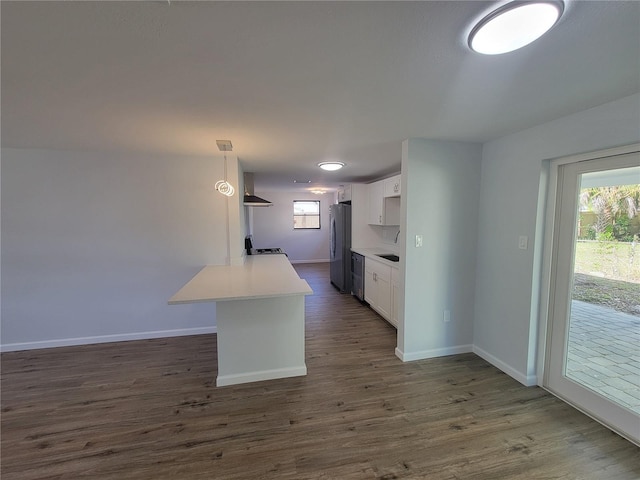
point(295, 83)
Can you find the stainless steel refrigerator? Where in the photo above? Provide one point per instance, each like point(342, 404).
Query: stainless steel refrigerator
point(340, 249)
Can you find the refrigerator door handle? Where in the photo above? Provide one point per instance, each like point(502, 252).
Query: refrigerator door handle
point(333, 238)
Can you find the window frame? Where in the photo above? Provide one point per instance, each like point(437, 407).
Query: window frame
point(307, 215)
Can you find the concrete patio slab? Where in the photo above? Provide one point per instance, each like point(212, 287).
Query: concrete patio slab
point(604, 348)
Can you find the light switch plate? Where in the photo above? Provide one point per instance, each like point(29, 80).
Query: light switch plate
point(523, 242)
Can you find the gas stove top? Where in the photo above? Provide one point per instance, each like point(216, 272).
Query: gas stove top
point(266, 251)
point(248, 244)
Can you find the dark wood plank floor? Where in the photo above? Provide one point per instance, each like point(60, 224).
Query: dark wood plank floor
point(150, 410)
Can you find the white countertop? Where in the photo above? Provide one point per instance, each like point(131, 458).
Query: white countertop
point(261, 276)
point(373, 254)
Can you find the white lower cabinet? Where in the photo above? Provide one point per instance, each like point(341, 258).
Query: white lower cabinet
point(395, 296)
point(377, 288)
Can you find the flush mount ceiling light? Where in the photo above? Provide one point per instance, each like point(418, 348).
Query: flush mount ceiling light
point(331, 166)
point(514, 25)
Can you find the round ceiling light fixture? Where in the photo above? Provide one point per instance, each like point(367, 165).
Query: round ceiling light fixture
point(514, 25)
point(331, 166)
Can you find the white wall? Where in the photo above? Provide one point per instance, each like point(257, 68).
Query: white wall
point(236, 212)
point(511, 204)
point(440, 188)
point(94, 244)
point(273, 227)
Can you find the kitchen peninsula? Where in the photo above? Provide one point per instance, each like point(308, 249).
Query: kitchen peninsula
point(259, 315)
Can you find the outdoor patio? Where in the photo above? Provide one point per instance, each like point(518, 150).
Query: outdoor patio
point(604, 352)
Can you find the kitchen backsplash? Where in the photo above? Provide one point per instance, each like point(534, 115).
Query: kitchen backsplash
point(389, 235)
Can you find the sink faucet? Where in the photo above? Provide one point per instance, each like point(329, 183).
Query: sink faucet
point(397, 234)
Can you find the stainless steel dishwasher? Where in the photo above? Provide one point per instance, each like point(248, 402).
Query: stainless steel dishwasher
point(357, 275)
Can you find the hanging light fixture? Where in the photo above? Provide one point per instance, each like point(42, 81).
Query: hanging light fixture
point(223, 186)
point(514, 25)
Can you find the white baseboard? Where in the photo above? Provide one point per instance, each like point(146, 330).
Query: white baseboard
point(309, 261)
point(224, 380)
point(122, 337)
point(436, 352)
point(526, 380)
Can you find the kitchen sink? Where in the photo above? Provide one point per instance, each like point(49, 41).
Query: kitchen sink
point(388, 256)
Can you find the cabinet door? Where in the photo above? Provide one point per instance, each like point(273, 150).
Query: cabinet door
point(346, 193)
point(377, 290)
point(392, 187)
point(376, 203)
point(383, 282)
point(395, 296)
point(370, 286)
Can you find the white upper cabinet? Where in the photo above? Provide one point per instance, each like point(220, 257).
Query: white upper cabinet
point(383, 210)
point(376, 203)
point(392, 186)
point(344, 194)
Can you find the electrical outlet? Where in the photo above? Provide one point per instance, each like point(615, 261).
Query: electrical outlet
point(418, 241)
point(446, 318)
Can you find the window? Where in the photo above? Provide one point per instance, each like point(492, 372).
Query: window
point(306, 214)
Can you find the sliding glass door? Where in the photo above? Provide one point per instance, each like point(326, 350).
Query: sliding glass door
point(593, 346)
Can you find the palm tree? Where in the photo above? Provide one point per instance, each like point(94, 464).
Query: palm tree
point(610, 204)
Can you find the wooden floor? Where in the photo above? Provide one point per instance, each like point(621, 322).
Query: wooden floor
point(150, 410)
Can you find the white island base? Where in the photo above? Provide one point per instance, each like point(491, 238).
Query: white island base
point(260, 339)
point(259, 315)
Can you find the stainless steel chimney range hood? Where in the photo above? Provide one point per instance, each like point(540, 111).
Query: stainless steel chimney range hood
point(250, 199)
